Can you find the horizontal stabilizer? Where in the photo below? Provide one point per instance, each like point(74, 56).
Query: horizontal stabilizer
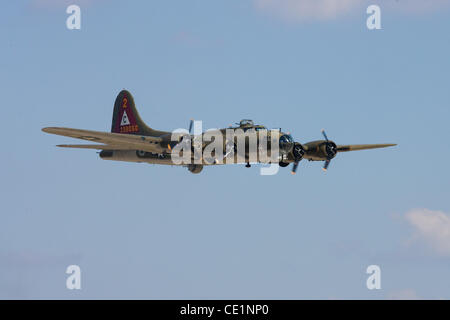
point(123, 141)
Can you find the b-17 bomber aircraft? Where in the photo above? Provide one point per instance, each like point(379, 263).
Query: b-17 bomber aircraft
point(132, 140)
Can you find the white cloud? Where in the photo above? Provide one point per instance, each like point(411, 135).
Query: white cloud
point(433, 227)
point(304, 10)
point(307, 9)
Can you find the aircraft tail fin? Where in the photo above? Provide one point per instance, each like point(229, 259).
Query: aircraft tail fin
point(126, 118)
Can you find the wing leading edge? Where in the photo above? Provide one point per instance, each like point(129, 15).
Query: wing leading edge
point(354, 147)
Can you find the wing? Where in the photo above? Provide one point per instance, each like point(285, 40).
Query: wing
point(94, 146)
point(354, 147)
point(111, 141)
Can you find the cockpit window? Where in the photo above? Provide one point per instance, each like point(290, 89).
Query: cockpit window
point(246, 122)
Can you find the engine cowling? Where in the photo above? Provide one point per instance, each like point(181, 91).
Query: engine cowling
point(330, 149)
point(320, 150)
point(298, 151)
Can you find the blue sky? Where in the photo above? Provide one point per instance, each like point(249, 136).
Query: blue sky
point(143, 231)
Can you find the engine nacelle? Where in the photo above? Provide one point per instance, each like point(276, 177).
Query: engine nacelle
point(320, 150)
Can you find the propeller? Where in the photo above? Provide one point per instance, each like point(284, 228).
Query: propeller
point(324, 135)
point(294, 167)
point(191, 124)
point(325, 166)
point(298, 151)
point(330, 149)
point(185, 139)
